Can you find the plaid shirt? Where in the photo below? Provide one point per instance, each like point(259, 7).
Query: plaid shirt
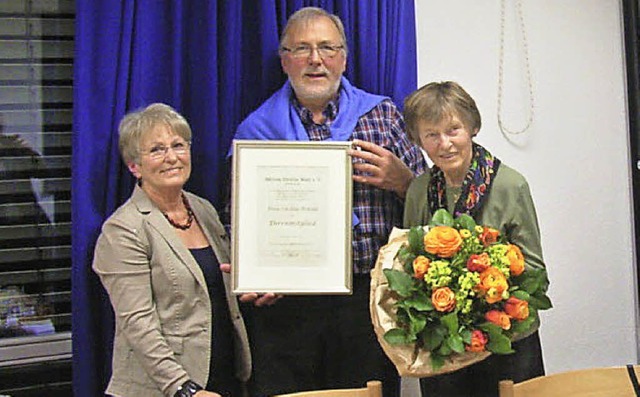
point(378, 210)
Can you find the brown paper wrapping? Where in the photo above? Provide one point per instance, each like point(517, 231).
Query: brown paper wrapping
point(408, 359)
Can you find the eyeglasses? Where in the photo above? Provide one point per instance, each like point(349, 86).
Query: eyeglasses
point(160, 151)
point(305, 51)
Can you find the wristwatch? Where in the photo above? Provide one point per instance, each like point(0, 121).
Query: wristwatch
point(188, 389)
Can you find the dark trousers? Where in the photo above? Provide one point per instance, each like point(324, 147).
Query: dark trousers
point(481, 379)
point(317, 342)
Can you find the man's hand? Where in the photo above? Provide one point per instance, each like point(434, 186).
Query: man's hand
point(267, 299)
point(381, 168)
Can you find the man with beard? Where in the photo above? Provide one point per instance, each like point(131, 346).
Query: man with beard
point(326, 342)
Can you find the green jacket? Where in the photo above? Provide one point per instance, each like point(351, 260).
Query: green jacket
point(508, 208)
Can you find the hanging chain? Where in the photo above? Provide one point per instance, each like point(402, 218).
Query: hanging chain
point(527, 66)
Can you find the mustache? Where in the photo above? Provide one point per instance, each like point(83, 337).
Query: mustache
point(316, 71)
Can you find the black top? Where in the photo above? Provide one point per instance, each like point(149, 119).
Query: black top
point(221, 368)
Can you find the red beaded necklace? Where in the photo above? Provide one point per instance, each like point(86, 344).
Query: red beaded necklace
point(190, 216)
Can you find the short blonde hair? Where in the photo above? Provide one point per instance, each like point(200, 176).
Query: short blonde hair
point(434, 102)
point(138, 123)
point(307, 14)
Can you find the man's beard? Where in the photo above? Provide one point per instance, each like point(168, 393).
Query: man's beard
point(315, 93)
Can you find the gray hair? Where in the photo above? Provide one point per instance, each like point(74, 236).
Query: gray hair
point(140, 122)
point(435, 101)
point(308, 14)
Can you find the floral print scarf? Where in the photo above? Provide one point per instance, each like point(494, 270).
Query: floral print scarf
point(475, 188)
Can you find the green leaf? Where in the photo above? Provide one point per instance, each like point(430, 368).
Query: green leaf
point(403, 314)
point(499, 344)
point(490, 329)
point(437, 361)
point(540, 301)
point(455, 343)
point(416, 239)
point(451, 322)
point(535, 280)
point(441, 217)
point(466, 222)
point(399, 281)
point(530, 284)
point(466, 336)
point(420, 301)
point(432, 337)
point(441, 330)
point(520, 294)
point(444, 350)
point(406, 257)
point(521, 327)
point(417, 322)
point(397, 336)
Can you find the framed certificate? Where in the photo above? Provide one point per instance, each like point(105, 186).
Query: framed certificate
point(291, 217)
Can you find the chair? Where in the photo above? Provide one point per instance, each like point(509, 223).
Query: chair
point(592, 382)
point(373, 389)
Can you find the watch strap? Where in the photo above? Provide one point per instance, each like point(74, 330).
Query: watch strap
point(188, 389)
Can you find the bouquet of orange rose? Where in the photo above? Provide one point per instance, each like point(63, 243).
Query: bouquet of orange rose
point(456, 292)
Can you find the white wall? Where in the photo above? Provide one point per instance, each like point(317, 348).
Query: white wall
point(575, 156)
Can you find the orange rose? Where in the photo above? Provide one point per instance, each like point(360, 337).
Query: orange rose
point(443, 299)
point(517, 309)
point(488, 236)
point(443, 241)
point(499, 318)
point(420, 266)
point(516, 260)
point(478, 263)
point(492, 285)
point(478, 341)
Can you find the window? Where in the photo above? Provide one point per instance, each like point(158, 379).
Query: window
point(36, 101)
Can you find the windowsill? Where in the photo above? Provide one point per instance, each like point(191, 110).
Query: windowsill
point(34, 349)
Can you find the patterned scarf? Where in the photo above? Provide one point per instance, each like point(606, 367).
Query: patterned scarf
point(475, 188)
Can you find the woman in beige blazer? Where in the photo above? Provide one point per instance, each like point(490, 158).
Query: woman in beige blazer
point(179, 331)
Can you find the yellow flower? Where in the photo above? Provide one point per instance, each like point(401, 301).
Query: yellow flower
point(465, 233)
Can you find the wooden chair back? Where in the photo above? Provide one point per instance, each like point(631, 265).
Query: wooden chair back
point(592, 382)
point(373, 389)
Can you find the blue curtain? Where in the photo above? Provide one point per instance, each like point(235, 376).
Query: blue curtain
point(214, 61)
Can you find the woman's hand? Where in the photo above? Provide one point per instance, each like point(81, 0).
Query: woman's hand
point(267, 299)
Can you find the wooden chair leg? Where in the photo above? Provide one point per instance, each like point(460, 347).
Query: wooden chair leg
point(375, 388)
point(506, 388)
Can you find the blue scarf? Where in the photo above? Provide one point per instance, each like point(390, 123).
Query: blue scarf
point(277, 119)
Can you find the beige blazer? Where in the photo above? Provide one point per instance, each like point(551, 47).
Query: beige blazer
point(160, 299)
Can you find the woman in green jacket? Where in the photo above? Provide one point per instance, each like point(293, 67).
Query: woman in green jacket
point(466, 178)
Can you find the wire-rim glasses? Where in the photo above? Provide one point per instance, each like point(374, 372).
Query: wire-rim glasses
point(305, 51)
point(159, 152)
